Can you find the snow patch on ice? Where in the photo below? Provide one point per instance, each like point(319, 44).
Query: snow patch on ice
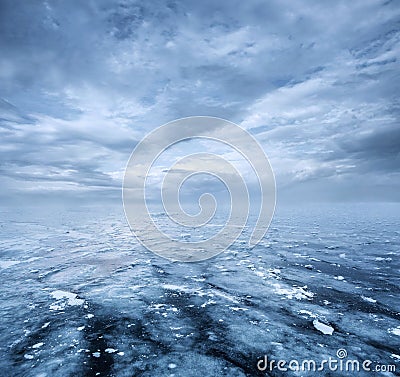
point(136, 287)
point(307, 312)
point(339, 277)
point(298, 293)
point(8, 263)
point(172, 287)
point(63, 299)
point(226, 296)
point(368, 299)
point(260, 274)
point(395, 331)
point(237, 309)
point(209, 302)
point(380, 259)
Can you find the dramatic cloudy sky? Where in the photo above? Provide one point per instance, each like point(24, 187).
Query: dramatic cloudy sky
point(317, 83)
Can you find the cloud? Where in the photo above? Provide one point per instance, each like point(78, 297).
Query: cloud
point(316, 83)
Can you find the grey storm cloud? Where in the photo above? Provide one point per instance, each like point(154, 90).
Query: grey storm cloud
point(315, 82)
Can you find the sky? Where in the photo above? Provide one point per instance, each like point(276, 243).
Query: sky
point(316, 83)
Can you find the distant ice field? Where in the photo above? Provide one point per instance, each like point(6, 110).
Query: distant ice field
point(81, 297)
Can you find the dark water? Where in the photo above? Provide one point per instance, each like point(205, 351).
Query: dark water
point(80, 297)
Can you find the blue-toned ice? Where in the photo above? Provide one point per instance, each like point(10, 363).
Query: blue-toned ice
point(81, 297)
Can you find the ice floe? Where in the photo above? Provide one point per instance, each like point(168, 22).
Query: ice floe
point(325, 329)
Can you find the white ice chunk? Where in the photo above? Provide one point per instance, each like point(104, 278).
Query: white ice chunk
point(368, 299)
point(395, 331)
point(325, 329)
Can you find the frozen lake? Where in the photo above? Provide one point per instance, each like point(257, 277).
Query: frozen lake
point(80, 296)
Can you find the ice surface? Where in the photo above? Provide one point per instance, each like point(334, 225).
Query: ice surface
point(83, 297)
